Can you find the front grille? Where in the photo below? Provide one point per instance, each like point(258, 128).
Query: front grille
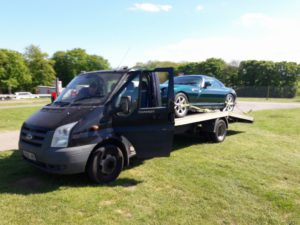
point(33, 136)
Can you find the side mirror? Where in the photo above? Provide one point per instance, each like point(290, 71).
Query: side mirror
point(207, 84)
point(125, 104)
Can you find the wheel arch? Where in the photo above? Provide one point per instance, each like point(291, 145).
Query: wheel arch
point(233, 94)
point(112, 141)
point(210, 125)
point(182, 92)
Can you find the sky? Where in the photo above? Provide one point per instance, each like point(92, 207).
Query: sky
point(130, 31)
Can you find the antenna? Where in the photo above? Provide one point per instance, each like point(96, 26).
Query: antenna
point(123, 57)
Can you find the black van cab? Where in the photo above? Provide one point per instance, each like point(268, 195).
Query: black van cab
point(100, 121)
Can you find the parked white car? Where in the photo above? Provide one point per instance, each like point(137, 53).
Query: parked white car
point(24, 95)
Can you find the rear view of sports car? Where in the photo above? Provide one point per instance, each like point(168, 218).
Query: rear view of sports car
point(201, 91)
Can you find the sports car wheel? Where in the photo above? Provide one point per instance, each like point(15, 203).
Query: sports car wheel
point(181, 105)
point(229, 103)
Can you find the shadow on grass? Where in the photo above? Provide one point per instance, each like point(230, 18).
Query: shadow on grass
point(184, 141)
point(17, 177)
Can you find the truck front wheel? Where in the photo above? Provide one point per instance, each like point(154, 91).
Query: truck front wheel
point(105, 164)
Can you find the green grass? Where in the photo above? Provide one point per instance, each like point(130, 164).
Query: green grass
point(285, 100)
point(12, 119)
point(251, 178)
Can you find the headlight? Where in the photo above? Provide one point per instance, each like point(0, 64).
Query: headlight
point(61, 135)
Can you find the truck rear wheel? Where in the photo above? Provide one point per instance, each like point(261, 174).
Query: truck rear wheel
point(220, 132)
point(105, 164)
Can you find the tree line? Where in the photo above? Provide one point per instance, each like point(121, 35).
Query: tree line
point(250, 78)
point(33, 68)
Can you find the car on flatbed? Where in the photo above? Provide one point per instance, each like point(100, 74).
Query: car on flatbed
point(104, 118)
point(200, 91)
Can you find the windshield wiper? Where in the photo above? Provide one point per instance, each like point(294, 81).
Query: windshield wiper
point(61, 103)
point(86, 97)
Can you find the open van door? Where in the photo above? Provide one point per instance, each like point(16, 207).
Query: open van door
point(148, 121)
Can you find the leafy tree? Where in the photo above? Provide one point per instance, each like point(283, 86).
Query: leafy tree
point(70, 63)
point(248, 73)
point(288, 73)
point(188, 68)
point(14, 73)
point(157, 64)
point(213, 67)
point(41, 68)
point(230, 75)
point(268, 78)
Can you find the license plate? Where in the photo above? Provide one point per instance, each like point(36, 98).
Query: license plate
point(29, 155)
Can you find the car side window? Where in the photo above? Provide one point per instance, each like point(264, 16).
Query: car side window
point(214, 84)
point(210, 81)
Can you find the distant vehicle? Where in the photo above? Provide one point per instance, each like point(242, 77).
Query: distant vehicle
point(24, 95)
point(201, 91)
point(6, 97)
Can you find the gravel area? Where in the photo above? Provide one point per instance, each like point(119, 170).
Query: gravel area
point(254, 106)
point(20, 106)
point(9, 140)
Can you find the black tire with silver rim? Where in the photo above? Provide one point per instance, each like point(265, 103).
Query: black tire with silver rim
point(220, 132)
point(229, 103)
point(181, 105)
point(105, 164)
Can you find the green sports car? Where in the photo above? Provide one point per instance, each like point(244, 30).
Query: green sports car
point(201, 91)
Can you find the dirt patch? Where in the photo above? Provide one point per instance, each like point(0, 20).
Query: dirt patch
point(124, 213)
point(107, 202)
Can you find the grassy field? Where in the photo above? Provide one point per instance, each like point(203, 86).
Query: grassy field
point(295, 99)
point(251, 178)
point(12, 119)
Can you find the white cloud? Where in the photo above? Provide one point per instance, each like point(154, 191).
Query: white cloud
point(149, 7)
point(258, 37)
point(272, 25)
point(199, 8)
point(253, 19)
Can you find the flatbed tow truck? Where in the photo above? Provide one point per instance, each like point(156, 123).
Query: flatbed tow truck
point(104, 118)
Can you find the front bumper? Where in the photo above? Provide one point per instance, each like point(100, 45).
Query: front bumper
point(70, 160)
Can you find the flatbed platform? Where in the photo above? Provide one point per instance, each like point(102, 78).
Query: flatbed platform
point(201, 117)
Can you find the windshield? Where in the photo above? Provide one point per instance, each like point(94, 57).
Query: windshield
point(89, 88)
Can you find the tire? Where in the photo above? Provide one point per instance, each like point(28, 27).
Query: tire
point(105, 164)
point(229, 103)
point(181, 99)
point(220, 132)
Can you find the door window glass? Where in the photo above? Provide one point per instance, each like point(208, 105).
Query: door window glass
point(146, 92)
point(131, 91)
point(154, 89)
point(163, 82)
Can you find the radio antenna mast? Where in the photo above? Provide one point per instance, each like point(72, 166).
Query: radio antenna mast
point(125, 55)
